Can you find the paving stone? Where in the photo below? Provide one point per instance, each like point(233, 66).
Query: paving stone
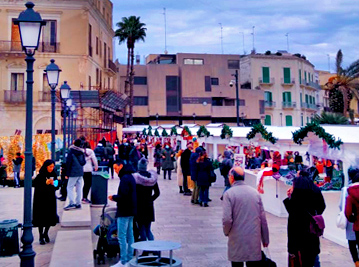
point(77, 217)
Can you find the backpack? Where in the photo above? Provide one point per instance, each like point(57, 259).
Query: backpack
point(80, 158)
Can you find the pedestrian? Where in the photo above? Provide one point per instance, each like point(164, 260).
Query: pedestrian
point(74, 173)
point(157, 154)
point(304, 200)
point(3, 174)
point(44, 206)
point(126, 199)
point(186, 168)
point(109, 156)
point(225, 167)
point(135, 155)
point(203, 177)
point(144, 149)
point(168, 157)
point(91, 164)
point(124, 150)
point(100, 152)
point(17, 169)
point(180, 178)
point(116, 147)
point(147, 192)
point(244, 221)
point(193, 167)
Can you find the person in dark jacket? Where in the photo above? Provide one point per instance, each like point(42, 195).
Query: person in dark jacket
point(203, 177)
point(109, 156)
point(144, 150)
point(193, 167)
point(147, 192)
point(157, 154)
point(168, 157)
point(74, 173)
point(124, 150)
point(304, 199)
point(226, 165)
point(135, 156)
point(44, 206)
point(126, 199)
point(3, 174)
point(186, 169)
point(17, 168)
point(100, 152)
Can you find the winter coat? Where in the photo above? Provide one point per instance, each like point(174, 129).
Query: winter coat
point(306, 199)
point(147, 192)
point(126, 194)
point(226, 166)
point(158, 157)
point(202, 174)
point(179, 172)
point(91, 160)
point(124, 152)
point(167, 163)
point(44, 211)
point(185, 165)
point(352, 205)
point(349, 232)
point(134, 157)
point(193, 163)
point(100, 151)
point(17, 164)
point(109, 151)
point(244, 222)
point(73, 166)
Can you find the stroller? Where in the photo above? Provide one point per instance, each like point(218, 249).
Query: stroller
point(107, 232)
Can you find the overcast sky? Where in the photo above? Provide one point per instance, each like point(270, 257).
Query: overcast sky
point(316, 28)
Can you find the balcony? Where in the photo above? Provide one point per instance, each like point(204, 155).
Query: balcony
point(266, 82)
point(15, 47)
point(269, 104)
point(45, 47)
point(309, 106)
point(289, 104)
point(314, 85)
point(286, 82)
point(14, 97)
point(111, 68)
point(44, 96)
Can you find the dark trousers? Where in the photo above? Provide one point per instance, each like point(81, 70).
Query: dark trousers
point(110, 166)
point(248, 264)
point(63, 189)
point(169, 174)
point(87, 184)
point(353, 248)
point(185, 185)
point(203, 194)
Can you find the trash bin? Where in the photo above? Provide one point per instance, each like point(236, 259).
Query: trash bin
point(9, 238)
point(99, 186)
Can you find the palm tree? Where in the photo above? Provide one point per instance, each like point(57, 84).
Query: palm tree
point(343, 86)
point(130, 30)
point(330, 118)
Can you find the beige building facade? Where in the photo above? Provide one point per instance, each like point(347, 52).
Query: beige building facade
point(191, 88)
point(290, 85)
point(79, 36)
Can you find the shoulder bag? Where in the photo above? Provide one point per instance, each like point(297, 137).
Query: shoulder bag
point(341, 219)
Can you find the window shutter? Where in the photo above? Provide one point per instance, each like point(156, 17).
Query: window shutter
point(265, 74)
point(288, 120)
point(267, 120)
point(286, 73)
point(300, 76)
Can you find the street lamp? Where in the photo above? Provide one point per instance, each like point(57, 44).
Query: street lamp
point(235, 75)
point(52, 73)
point(281, 123)
point(194, 118)
point(72, 109)
point(30, 24)
point(65, 95)
point(68, 106)
point(75, 119)
point(157, 119)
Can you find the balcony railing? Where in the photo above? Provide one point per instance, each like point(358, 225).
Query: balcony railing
point(112, 66)
point(44, 96)
point(49, 47)
point(14, 97)
point(266, 81)
point(309, 106)
point(269, 104)
point(13, 46)
point(314, 85)
point(289, 104)
point(288, 82)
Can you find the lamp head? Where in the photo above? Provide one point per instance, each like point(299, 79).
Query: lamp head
point(52, 73)
point(231, 83)
point(65, 91)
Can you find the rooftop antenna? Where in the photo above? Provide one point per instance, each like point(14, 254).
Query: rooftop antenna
point(164, 14)
point(253, 36)
point(287, 34)
point(221, 36)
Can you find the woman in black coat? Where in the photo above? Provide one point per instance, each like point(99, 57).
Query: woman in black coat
point(44, 207)
point(203, 177)
point(304, 199)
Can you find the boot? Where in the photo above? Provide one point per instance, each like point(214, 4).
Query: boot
point(181, 190)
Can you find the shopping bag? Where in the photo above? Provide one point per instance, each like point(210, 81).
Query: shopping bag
point(190, 183)
point(341, 219)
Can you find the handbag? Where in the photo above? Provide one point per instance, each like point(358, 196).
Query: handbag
point(341, 219)
point(316, 225)
point(213, 176)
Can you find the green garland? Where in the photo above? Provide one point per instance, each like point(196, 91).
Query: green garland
point(299, 135)
point(144, 132)
point(157, 133)
point(202, 132)
point(186, 130)
point(174, 131)
point(164, 133)
point(259, 128)
point(226, 132)
point(150, 131)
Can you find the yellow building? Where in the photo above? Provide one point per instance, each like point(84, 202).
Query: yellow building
point(191, 88)
point(79, 36)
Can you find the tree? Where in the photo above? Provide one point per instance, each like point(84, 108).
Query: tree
point(130, 30)
point(342, 87)
point(330, 118)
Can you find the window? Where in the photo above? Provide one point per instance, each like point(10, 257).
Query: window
point(105, 54)
point(97, 77)
point(17, 81)
point(301, 98)
point(265, 74)
point(217, 101)
point(286, 74)
point(48, 35)
point(192, 61)
point(288, 120)
point(90, 83)
point(287, 97)
point(96, 45)
point(261, 107)
point(109, 54)
point(140, 100)
point(300, 76)
point(172, 104)
point(90, 40)
point(229, 102)
point(301, 120)
point(100, 48)
point(308, 76)
point(207, 84)
point(268, 96)
point(214, 81)
point(305, 76)
point(100, 78)
point(140, 80)
point(171, 83)
point(268, 120)
point(173, 95)
point(306, 99)
point(45, 84)
point(233, 64)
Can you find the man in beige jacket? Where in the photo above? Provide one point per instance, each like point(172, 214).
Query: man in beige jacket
point(244, 221)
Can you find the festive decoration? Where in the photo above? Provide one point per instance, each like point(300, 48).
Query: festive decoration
point(157, 133)
point(186, 132)
point(144, 132)
point(299, 135)
point(164, 133)
point(203, 132)
point(259, 128)
point(226, 132)
point(150, 131)
point(215, 164)
point(174, 131)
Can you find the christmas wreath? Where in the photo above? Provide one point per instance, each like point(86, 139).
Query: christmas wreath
point(157, 133)
point(186, 132)
point(174, 131)
point(164, 133)
point(259, 128)
point(226, 132)
point(203, 132)
point(299, 135)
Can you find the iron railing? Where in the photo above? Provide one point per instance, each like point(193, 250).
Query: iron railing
point(112, 66)
point(269, 104)
point(286, 82)
point(264, 81)
point(15, 97)
point(15, 46)
point(45, 96)
point(289, 104)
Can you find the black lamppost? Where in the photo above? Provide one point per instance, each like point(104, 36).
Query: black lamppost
point(30, 24)
point(157, 119)
point(52, 73)
point(75, 119)
point(194, 118)
point(281, 120)
point(65, 95)
point(235, 75)
point(68, 107)
point(72, 109)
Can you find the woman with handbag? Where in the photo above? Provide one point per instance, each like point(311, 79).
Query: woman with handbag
point(304, 201)
point(204, 178)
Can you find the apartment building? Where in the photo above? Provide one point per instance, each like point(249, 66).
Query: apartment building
point(79, 36)
point(290, 85)
point(191, 88)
